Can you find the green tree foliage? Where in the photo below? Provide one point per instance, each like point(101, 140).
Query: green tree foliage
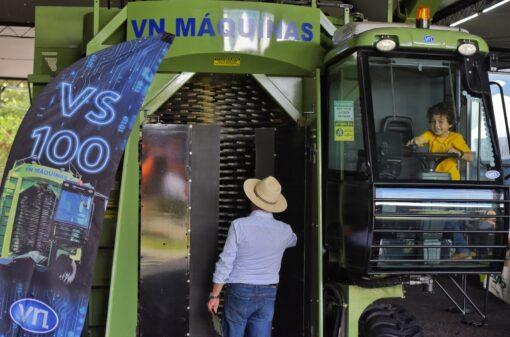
point(14, 103)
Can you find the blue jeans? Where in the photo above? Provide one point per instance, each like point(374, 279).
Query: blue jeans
point(248, 310)
point(458, 238)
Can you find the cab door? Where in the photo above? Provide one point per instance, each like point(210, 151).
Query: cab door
point(500, 92)
point(347, 174)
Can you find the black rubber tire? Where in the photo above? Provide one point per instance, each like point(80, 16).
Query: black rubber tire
point(388, 320)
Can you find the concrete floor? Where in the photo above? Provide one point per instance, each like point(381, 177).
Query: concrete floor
point(432, 314)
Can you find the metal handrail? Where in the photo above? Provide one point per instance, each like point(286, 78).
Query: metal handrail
point(442, 200)
point(441, 246)
point(435, 260)
point(391, 230)
point(449, 184)
point(446, 216)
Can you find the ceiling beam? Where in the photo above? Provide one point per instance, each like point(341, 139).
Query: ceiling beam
point(460, 10)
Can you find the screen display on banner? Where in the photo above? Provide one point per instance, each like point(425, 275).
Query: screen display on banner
point(56, 184)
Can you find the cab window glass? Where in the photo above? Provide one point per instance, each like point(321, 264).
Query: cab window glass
point(345, 128)
point(428, 127)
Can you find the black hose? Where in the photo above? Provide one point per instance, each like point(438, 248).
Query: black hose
point(335, 290)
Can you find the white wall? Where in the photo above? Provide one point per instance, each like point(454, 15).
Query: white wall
point(16, 53)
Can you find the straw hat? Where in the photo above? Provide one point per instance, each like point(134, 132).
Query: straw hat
point(266, 194)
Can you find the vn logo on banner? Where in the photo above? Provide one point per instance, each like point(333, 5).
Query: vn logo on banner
point(56, 185)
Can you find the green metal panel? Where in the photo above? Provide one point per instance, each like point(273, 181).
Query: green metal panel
point(410, 38)
point(316, 301)
point(58, 42)
point(319, 242)
point(250, 51)
point(122, 304)
point(113, 29)
point(359, 299)
point(58, 29)
point(250, 64)
point(389, 15)
point(95, 23)
point(61, 42)
point(281, 89)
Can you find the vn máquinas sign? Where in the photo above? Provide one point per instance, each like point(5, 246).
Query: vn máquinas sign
point(240, 24)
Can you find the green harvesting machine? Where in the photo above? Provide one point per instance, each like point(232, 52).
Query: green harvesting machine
point(324, 100)
point(36, 220)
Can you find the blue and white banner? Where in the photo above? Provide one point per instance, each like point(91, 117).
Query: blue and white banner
point(56, 185)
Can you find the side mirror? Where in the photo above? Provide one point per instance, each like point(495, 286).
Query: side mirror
point(475, 70)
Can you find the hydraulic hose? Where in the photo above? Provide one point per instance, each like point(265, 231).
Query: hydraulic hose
point(333, 290)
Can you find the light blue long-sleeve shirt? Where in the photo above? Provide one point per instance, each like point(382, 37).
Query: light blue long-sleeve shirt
point(254, 249)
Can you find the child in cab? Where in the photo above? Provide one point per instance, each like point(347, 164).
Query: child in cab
point(441, 139)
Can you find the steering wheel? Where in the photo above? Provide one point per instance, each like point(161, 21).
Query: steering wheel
point(429, 160)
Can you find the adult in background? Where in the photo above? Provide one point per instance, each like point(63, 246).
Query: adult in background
point(250, 263)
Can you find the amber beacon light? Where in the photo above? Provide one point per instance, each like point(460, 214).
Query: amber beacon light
point(423, 17)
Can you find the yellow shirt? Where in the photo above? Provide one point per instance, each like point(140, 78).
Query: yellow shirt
point(443, 144)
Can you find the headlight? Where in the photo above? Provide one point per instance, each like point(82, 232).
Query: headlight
point(385, 44)
point(467, 48)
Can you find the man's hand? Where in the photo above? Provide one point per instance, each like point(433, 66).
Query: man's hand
point(214, 298)
point(213, 304)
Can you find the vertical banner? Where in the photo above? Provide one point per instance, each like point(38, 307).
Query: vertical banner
point(56, 185)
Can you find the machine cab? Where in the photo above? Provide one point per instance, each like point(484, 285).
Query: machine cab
point(392, 206)
point(72, 216)
point(408, 98)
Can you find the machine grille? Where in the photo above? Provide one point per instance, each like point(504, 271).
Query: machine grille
point(239, 105)
point(32, 224)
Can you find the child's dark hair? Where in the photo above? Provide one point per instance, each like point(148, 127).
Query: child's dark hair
point(442, 109)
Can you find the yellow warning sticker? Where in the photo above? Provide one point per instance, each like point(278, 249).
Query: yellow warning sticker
point(227, 61)
point(343, 121)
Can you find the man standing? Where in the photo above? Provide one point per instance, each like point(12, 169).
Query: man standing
point(250, 263)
